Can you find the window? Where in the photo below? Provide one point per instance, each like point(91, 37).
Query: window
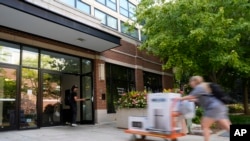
point(29, 92)
point(133, 33)
point(152, 82)
point(109, 3)
point(106, 19)
point(59, 62)
point(30, 57)
point(143, 36)
point(118, 80)
point(86, 66)
point(78, 4)
point(83, 6)
point(127, 9)
point(9, 53)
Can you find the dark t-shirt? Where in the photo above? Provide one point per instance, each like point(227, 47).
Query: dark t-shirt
point(73, 94)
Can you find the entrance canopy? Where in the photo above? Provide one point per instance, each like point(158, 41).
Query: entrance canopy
point(35, 20)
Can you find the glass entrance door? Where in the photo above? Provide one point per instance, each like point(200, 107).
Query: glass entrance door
point(8, 93)
point(51, 99)
point(87, 113)
point(87, 107)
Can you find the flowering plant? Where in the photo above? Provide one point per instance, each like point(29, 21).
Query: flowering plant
point(133, 99)
point(138, 99)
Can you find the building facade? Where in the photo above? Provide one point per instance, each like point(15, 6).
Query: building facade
point(46, 46)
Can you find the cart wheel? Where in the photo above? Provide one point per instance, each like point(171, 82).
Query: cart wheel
point(174, 140)
point(143, 137)
point(133, 138)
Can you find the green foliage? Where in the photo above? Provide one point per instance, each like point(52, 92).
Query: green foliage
point(236, 108)
point(240, 119)
point(198, 116)
point(198, 36)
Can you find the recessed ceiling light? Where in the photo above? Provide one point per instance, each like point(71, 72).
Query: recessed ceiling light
point(80, 39)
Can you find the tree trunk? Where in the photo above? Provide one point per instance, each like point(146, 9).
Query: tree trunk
point(245, 98)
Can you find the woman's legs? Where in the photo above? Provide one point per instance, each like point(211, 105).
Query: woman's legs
point(225, 124)
point(206, 124)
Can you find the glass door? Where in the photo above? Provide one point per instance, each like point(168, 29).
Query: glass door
point(87, 114)
point(8, 102)
point(87, 107)
point(51, 99)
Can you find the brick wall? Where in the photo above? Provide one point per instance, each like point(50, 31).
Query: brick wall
point(141, 61)
point(139, 80)
point(167, 81)
point(100, 87)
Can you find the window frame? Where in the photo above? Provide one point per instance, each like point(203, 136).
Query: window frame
point(75, 5)
point(106, 18)
point(127, 9)
point(127, 79)
point(130, 34)
point(106, 4)
point(157, 86)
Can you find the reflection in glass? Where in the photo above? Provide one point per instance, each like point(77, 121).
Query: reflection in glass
point(29, 89)
point(86, 66)
point(152, 82)
point(83, 7)
point(7, 98)
point(87, 93)
point(119, 80)
point(125, 29)
point(101, 16)
point(51, 99)
point(9, 53)
point(112, 22)
point(111, 4)
point(30, 57)
point(60, 62)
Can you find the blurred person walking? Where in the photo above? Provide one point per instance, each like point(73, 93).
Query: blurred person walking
point(214, 109)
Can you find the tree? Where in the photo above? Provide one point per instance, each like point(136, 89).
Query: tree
point(205, 37)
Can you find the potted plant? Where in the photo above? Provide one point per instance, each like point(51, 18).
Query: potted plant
point(130, 104)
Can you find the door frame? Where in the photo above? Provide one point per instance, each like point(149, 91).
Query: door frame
point(90, 74)
point(18, 97)
point(40, 97)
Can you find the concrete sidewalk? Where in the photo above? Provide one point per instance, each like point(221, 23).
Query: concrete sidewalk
point(84, 133)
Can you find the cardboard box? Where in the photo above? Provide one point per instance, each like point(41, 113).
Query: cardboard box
point(160, 106)
point(138, 123)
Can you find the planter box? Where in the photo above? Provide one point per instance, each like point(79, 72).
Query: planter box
point(122, 116)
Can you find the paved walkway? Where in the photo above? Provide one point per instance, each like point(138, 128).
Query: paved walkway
point(84, 133)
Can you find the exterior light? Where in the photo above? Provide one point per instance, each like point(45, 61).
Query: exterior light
point(101, 69)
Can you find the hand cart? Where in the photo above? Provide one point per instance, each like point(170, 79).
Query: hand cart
point(167, 137)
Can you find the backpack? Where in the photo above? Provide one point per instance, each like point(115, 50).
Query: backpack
point(219, 93)
point(67, 99)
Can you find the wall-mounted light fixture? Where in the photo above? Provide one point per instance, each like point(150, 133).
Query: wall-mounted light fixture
point(101, 70)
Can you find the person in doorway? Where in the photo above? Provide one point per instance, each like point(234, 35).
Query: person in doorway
point(214, 109)
point(73, 104)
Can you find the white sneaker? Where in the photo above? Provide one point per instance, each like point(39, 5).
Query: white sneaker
point(73, 125)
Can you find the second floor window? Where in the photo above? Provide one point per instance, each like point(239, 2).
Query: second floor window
point(125, 29)
point(109, 3)
point(127, 9)
point(106, 19)
point(78, 4)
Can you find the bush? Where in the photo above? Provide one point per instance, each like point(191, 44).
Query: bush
point(198, 115)
point(240, 119)
point(236, 108)
point(133, 99)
